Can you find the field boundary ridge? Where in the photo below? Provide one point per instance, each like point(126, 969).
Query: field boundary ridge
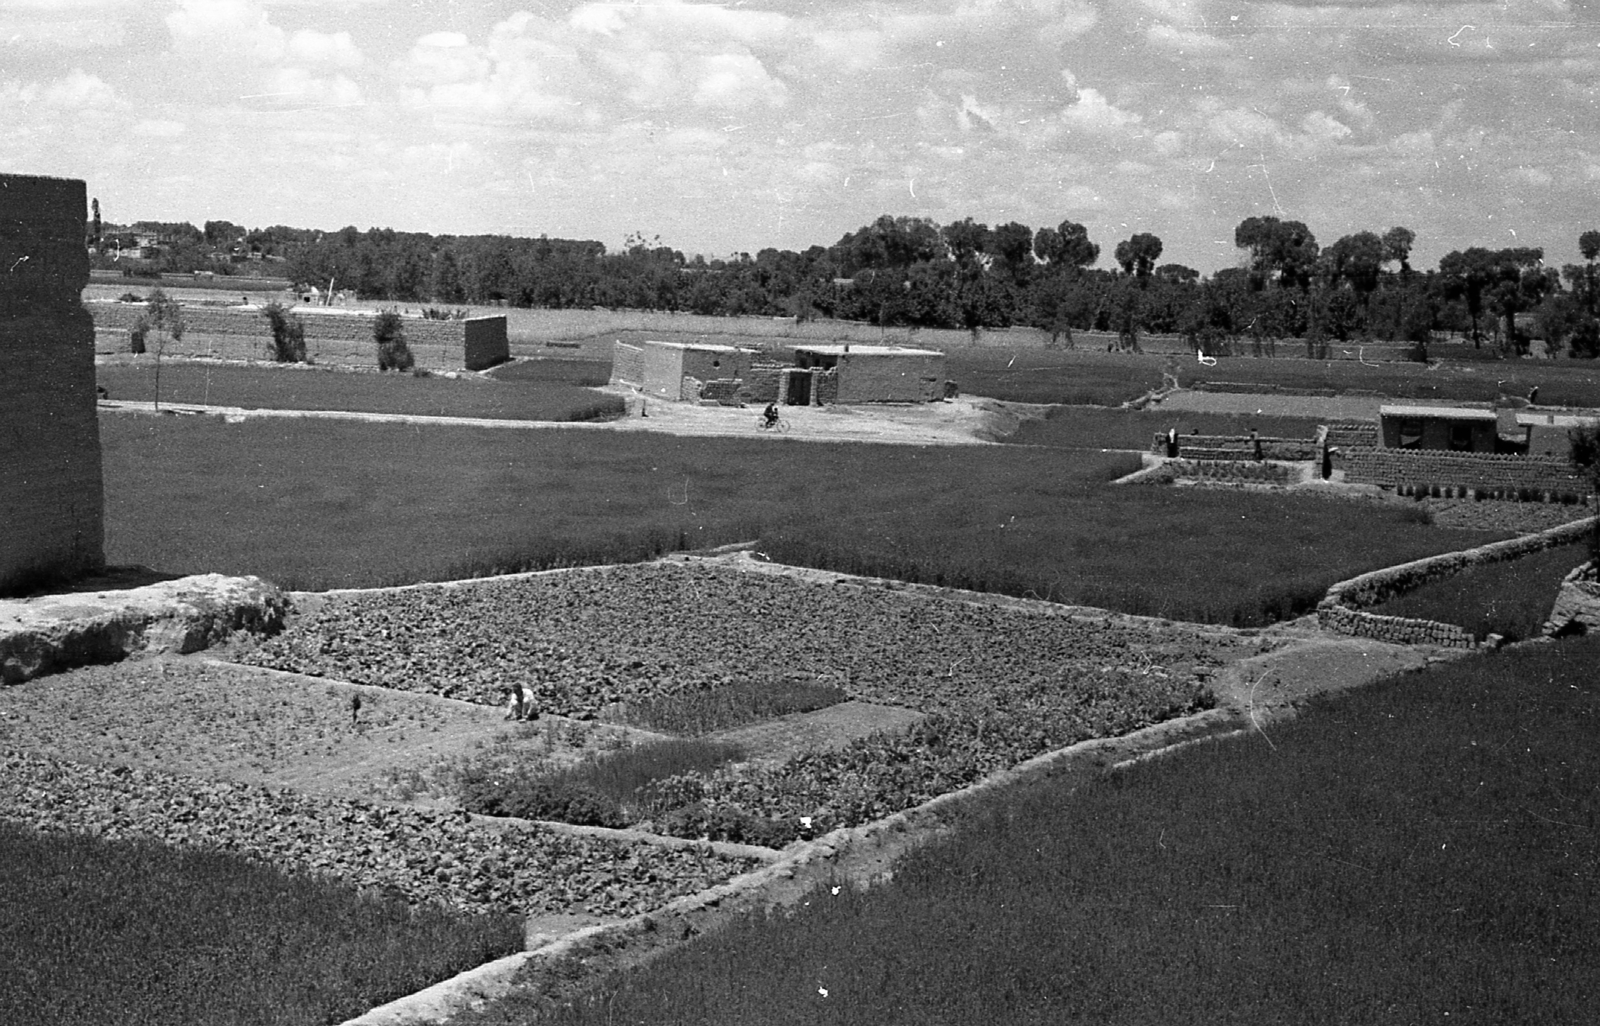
point(1344, 609)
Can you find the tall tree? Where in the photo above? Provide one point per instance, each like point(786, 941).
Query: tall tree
point(1011, 245)
point(1284, 252)
point(1066, 245)
point(968, 240)
point(1138, 255)
point(1397, 248)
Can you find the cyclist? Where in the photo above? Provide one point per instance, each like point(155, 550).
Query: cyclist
point(769, 416)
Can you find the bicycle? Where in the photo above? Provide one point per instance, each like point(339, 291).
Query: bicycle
point(779, 426)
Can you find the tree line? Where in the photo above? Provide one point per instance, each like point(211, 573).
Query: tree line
point(913, 272)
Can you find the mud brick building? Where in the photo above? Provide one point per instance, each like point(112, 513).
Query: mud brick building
point(51, 496)
point(1447, 428)
point(863, 374)
point(680, 371)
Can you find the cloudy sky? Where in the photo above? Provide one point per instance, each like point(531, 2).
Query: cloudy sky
point(754, 123)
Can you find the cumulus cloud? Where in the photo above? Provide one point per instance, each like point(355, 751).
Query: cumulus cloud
point(79, 91)
point(1169, 37)
point(1094, 113)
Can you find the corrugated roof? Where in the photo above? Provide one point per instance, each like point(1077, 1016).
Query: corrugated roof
point(1437, 412)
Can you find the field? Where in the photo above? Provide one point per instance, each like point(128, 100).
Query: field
point(1510, 599)
point(337, 504)
point(126, 931)
point(1089, 428)
point(1422, 849)
point(551, 391)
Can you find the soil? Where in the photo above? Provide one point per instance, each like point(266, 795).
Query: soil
point(963, 421)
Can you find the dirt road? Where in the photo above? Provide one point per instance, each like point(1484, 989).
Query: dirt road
point(963, 421)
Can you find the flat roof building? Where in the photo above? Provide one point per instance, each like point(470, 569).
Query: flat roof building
point(849, 373)
point(1450, 428)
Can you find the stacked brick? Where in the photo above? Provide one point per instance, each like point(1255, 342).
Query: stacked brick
point(342, 338)
point(1546, 475)
point(1344, 608)
point(51, 496)
point(1577, 606)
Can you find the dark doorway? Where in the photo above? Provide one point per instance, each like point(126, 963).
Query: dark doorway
point(799, 391)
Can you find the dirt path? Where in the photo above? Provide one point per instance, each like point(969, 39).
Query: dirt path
point(962, 421)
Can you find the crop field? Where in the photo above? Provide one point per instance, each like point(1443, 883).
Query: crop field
point(1509, 598)
point(554, 393)
point(1425, 848)
point(127, 931)
point(338, 504)
point(1000, 684)
point(1098, 428)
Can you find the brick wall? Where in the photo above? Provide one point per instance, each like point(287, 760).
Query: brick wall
point(51, 496)
point(627, 365)
point(337, 337)
point(892, 378)
point(1475, 470)
point(1234, 447)
point(760, 383)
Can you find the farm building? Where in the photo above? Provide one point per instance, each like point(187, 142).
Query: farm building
point(1448, 428)
point(862, 374)
point(1549, 431)
point(679, 371)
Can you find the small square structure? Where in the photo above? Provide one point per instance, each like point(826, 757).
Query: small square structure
point(848, 373)
point(1445, 428)
point(677, 371)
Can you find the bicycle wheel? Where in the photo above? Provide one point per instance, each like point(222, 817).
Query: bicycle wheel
point(782, 426)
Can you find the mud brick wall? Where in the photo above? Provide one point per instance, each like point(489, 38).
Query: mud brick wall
point(1350, 434)
point(890, 378)
point(760, 383)
point(1234, 447)
point(1345, 606)
point(627, 365)
point(1482, 471)
point(1577, 606)
point(825, 388)
point(339, 338)
point(51, 496)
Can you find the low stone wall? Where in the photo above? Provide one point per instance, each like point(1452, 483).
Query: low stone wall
point(1478, 471)
point(333, 336)
point(1577, 605)
point(1344, 607)
point(1237, 447)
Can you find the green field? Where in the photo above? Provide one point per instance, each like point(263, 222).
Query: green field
point(1510, 598)
point(556, 392)
point(1080, 427)
point(115, 931)
point(339, 504)
point(1426, 850)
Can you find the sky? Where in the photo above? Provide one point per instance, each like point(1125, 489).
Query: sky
point(729, 127)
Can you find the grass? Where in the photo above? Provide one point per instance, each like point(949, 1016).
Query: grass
point(1560, 383)
point(1077, 378)
point(551, 370)
point(557, 395)
point(327, 504)
point(1425, 850)
point(1089, 428)
point(98, 931)
point(1510, 598)
point(705, 712)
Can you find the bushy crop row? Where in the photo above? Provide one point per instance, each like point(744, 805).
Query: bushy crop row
point(584, 640)
point(425, 856)
point(875, 776)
